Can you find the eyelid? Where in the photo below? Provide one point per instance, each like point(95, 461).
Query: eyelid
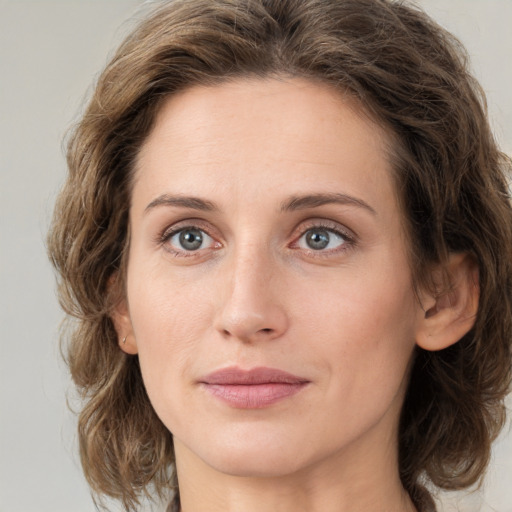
point(179, 225)
point(328, 225)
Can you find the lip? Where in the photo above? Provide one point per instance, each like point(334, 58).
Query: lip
point(255, 388)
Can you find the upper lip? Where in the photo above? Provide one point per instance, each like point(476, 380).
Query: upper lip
point(261, 375)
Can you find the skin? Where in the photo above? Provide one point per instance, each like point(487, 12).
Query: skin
point(344, 317)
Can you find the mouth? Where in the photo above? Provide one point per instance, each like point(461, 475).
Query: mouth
point(252, 389)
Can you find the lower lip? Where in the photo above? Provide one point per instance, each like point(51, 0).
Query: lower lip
point(253, 396)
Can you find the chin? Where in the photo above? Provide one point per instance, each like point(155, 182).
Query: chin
point(256, 465)
point(261, 454)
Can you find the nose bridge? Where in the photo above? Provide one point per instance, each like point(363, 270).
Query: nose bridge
point(252, 266)
point(252, 307)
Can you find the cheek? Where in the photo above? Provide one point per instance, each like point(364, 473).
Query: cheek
point(364, 328)
point(165, 307)
point(362, 340)
point(167, 324)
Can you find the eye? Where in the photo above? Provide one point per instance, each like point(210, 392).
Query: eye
point(320, 239)
point(189, 239)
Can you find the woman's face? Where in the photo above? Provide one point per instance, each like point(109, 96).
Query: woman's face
point(269, 296)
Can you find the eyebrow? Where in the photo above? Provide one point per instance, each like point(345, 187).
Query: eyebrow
point(295, 203)
point(194, 203)
point(315, 200)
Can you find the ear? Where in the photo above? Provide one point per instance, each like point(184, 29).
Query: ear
point(451, 314)
point(120, 317)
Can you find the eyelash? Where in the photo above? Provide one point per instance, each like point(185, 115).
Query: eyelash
point(349, 239)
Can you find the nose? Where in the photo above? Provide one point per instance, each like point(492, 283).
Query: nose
point(252, 306)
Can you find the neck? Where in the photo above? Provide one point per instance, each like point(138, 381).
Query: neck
point(343, 482)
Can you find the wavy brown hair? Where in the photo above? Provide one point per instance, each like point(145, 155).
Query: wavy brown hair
point(407, 73)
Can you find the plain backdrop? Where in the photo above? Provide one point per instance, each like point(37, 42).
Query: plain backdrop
point(50, 53)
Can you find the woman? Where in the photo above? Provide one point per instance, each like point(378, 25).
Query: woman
point(286, 236)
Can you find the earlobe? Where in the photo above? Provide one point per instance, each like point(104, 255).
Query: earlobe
point(120, 317)
point(122, 323)
point(450, 314)
point(128, 344)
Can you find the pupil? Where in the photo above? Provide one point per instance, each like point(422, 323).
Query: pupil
point(317, 239)
point(191, 239)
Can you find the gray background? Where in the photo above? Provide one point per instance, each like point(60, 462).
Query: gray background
point(50, 53)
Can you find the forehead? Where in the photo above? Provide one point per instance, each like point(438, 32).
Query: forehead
point(264, 134)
